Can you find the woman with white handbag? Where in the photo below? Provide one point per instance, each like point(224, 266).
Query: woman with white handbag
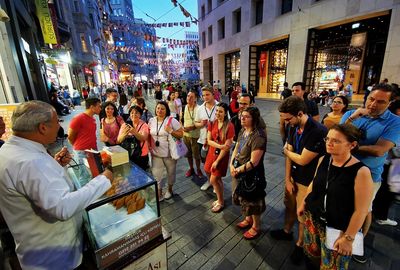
point(161, 127)
point(336, 203)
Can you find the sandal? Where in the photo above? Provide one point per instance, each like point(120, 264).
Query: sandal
point(244, 224)
point(214, 203)
point(217, 208)
point(250, 236)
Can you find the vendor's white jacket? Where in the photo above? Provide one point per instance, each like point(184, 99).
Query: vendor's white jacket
point(41, 207)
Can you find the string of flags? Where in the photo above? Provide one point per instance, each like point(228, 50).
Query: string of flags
point(184, 11)
point(149, 37)
point(134, 48)
point(170, 24)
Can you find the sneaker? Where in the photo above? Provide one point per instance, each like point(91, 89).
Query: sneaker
point(386, 222)
point(168, 195)
point(281, 235)
point(206, 186)
point(359, 259)
point(189, 173)
point(297, 255)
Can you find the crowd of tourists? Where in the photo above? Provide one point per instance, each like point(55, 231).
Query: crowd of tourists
point(343, 155)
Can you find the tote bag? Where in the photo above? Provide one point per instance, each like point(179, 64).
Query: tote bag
point(176, 146)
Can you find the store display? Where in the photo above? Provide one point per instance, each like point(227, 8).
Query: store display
point(108, 223)
point(277, 70)
point(125, 218)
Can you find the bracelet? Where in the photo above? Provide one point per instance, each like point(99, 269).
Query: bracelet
point(252, 165)
point(348, 237)
point(351, 119)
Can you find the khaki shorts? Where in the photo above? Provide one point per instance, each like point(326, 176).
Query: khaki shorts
point(377, 185)
point(292, 201)
point(192, 146)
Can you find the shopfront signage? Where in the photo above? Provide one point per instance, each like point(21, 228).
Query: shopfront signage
point(46, 24)
point(122, 247)
point(88, 71)
point(6, 111)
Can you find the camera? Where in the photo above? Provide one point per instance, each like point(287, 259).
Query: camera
point(217, 151)
point(157, 143)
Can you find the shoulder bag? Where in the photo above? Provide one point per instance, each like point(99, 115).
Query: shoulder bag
point(176, 146)
point(133, 145)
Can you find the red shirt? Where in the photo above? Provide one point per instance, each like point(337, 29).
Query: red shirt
point(85, 128)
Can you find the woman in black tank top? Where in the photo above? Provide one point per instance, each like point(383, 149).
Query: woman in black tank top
point(338, 197)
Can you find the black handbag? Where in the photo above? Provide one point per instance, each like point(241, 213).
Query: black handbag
point(251, 184)
point(133, 146)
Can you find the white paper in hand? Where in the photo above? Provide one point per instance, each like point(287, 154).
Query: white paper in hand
point(333, 234)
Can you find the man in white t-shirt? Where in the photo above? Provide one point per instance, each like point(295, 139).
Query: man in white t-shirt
point(205, 115)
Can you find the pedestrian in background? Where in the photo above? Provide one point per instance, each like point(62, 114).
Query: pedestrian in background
point(339, 107)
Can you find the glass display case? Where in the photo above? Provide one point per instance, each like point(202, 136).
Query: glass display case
point(125, 218)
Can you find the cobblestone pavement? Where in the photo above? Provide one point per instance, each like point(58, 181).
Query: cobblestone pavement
point(204, 240)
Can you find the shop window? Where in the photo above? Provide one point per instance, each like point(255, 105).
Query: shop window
point(91, 19)
point(203, 40)
point(232, 69)
point(76, 6)
point(83, 43)
point(203, 12)
point(286, 6)
point(209, 6)
point(221, 28)
point(257, 7)
point(210, 34)
point(277, 70)
point(237, 21)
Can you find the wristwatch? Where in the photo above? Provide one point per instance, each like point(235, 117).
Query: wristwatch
point(348, 237)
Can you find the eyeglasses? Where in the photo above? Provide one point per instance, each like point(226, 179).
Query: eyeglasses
point(288, 119)
point(243, 103)
point(332, 140)
point(245, 116)
point(337, 102)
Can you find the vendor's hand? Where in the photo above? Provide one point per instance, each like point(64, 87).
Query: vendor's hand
point(63, 157)
point(343, 246)
point(107, 173)
point(289, 187)
point(168, 129)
